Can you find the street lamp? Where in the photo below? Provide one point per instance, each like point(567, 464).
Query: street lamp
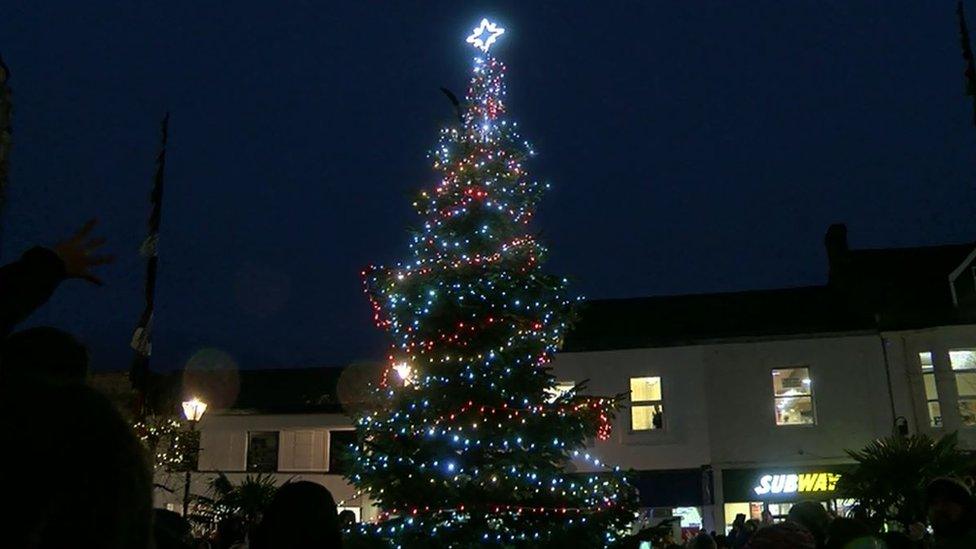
point(404, 372)
point(193, 410)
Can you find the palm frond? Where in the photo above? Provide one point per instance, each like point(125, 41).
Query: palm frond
point(892, 473)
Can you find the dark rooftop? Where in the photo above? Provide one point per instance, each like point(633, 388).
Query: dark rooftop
point(687, 319)
point(894, 288)
point(907, 287)
point(277, 391)
point(311, 390)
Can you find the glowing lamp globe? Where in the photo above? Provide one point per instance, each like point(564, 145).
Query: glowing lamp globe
point(193, 409)
point(404, 371)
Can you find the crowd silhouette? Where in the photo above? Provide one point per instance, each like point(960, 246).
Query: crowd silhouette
point(951, 512)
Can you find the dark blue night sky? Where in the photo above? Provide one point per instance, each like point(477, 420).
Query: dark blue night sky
point(692, 147)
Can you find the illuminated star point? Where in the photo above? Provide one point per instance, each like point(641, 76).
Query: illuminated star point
point(484, 35)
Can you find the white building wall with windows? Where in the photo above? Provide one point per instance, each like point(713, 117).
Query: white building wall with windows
point(940, 375)
point(849, 392)
point(683, 440)
point(303, 452)
point(719, 402)
point(719, 405)
point(851, 406)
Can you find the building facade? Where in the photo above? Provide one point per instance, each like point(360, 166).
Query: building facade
point(746, 402)
point(286, 424)
point(287, 447)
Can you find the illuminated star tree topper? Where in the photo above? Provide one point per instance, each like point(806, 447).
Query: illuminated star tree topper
point(485, 34)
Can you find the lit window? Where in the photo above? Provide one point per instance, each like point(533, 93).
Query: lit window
point(647, 408)
point(690, 517)
point(793, 395)
point(931, 390)
point(559, 389)
point(964, 367)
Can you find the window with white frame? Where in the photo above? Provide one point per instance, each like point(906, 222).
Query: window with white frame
point(964, 367)
point(793, 396)
point(559, 389)
point(646, 404)
point(262, 451)
point(931, 389)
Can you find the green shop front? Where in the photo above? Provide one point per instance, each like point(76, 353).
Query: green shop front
point(777, 489)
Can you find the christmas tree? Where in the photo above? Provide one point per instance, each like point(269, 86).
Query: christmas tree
point(468, 442)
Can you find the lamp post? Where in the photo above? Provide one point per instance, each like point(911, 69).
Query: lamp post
point(193, 410)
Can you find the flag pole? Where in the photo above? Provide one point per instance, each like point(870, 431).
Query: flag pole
point(139, 374)
point(6, 138)
point(967, 55)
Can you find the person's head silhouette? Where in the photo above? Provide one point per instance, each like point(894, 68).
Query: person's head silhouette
point(104, 496)
point(301, 515)
point(44, 353)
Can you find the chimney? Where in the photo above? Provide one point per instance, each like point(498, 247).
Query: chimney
point(836, 243)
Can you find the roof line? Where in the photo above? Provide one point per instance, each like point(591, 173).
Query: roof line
point(958, 271)
point(913, 248)
point(706, 294)
point(737, 339)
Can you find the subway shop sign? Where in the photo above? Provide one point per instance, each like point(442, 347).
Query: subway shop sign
point(796, 483)
point(782, 484)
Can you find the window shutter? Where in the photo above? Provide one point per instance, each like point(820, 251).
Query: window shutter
point(286, 451)
point(318, 450)
point(302, 450)
point(222, 451)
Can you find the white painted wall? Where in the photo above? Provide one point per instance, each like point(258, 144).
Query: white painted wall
point(718, 401)
point(684, 441)
point(303, 451)
point(849, 391)
point(719, 407)
point(938, 341)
